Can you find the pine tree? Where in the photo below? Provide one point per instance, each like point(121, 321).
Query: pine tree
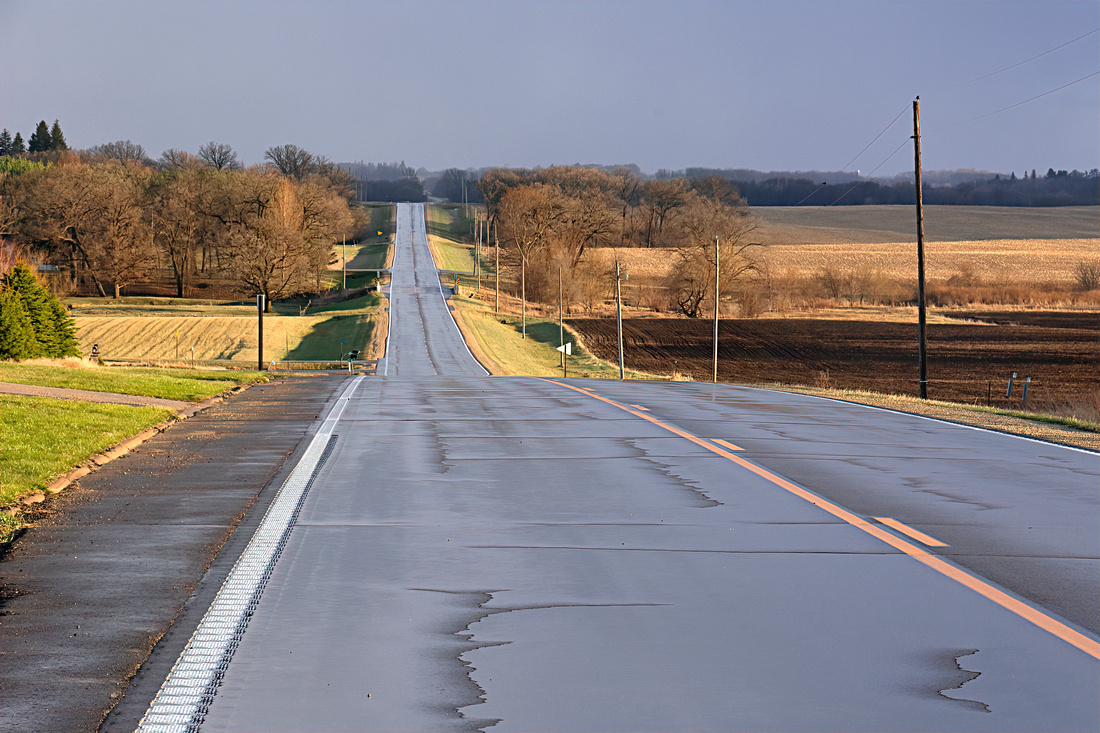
point(57, 138)
point(5, 142)
point(17, 145)
point(52, 329)
point(64, 331)
point(40, 138)
point(16, 335)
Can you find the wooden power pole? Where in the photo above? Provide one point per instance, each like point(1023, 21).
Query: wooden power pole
point(923, 357)
point(715, 380)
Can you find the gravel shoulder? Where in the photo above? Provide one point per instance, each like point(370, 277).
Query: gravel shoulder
point(106, 568)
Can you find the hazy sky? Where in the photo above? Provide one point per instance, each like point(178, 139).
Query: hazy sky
point(769, 85)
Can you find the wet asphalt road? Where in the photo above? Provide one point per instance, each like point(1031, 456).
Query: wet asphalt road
point(535, 554)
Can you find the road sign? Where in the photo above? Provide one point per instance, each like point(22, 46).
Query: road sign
point(566, 349)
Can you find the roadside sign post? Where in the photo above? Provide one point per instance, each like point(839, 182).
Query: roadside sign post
point(566, 350)
point(260, 328)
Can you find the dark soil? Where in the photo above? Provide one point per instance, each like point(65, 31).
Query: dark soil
point(1060, 351)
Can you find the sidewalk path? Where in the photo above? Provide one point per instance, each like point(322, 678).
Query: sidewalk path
point(87, 395)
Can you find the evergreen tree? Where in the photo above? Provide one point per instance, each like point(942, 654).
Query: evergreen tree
point(16, 335)
point(5, 142)
point(40, 138)
point(52, 329)
point(57, 138)
point(63, 332)
point(17, 145)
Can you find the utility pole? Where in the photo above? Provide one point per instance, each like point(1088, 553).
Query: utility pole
point(619, 318)
point(923, 356)
point(561, 326)
point(344, 260)
point(715, 310)
point(496, 269)
point(260, 327)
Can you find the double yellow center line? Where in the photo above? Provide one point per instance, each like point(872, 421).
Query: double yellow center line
point(976, 584)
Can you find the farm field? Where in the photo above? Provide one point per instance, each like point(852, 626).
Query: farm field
point(150, 329)
point(1060, 351)
point(884, 224)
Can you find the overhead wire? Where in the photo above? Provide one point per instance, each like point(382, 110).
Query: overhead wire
point(884, 161)
point(1030, 99)
point(1029, 60)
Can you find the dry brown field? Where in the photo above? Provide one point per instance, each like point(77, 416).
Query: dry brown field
point(1040, 247)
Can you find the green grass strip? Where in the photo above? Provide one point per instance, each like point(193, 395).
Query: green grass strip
point(500, 339)
point(43, 438)
point(174, 384)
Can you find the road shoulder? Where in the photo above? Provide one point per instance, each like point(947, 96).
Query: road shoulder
point(114, 564)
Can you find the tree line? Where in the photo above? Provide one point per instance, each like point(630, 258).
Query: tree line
point(555, 220)
point(43, 139)
point(109, 217)
point(1056, 188)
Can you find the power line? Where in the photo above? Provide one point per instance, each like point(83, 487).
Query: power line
point(823, 185)
point(885, 160)
point(861, 152)
point(1025, 61)
point(1031, 99)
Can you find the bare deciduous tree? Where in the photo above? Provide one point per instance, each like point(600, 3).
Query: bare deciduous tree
point(219, 156)
point(292, 161)
point(701, 221)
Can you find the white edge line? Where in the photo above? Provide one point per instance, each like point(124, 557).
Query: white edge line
point(447, 307)
point(922, 417)
point(181, 701)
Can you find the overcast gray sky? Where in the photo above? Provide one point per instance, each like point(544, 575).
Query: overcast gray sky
point(772, 85)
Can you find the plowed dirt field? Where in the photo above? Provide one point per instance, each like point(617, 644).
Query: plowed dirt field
point(1060, 351)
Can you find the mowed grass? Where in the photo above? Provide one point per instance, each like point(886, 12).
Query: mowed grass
point(499, 339)
point(173, 384)
point(43, 438)
point(134, 331)
point(383, 222)
point(353, 321)
point(362, 256)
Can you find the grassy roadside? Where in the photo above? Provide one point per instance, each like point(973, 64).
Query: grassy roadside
point(44, 438)
point(352, 321)
point(500, 342)
point(174, 384)
point(1052, 428)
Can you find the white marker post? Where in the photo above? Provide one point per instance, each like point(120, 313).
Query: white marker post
point(566, 350)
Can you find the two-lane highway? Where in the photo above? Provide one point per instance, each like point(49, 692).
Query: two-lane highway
point(531, 554)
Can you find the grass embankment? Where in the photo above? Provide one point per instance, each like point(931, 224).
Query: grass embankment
point(450, 234)
point(376, 257)
point(189, 385)
point(499, 341)
point(169, 330)
point(43, 438)
point(382, 223)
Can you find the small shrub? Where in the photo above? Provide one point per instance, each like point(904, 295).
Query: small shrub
point(1087, 275)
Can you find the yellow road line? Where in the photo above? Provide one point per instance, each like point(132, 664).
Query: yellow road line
point(727, 444)
point(914, 533)
point(974, 583)
point(644, 409)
